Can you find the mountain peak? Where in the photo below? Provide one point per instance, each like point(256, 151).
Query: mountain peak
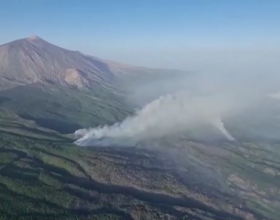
point(31, 59)
point(33, 37)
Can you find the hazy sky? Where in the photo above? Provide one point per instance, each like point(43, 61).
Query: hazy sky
point(181, 34)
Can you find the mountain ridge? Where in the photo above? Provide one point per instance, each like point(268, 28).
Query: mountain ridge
point(32, 60)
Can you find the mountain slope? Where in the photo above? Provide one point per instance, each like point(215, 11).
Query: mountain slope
point(57, 89)
point(62, 109)
point(32, 60)
point(47, 92)
point(43, 82)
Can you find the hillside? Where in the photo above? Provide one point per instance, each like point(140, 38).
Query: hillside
point(34, 60)
point(59, 88)
point(47, 92)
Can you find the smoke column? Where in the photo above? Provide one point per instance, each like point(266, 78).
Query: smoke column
point(220, 125)
point(164, 116)
point(196, 104)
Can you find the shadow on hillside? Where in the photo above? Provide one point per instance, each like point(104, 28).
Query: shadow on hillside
point(156, 199)
point(37, 139)
point(19, 153)
point(3, 99)
point(60, 211)
point(77, 165)
point(53, 124)
point(101, 213)
point(40, 132)
point(20, 173)
point(166, 203)
point(16, 198)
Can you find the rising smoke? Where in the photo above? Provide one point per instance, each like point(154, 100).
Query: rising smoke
point(164, 116)
point(185, 103)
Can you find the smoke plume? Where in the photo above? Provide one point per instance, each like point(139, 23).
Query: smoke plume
point(188, 104)
point(164, 116)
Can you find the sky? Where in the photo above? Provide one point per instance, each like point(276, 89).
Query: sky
point(180, 34)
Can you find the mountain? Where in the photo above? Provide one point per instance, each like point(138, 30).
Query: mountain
point(57, 88)
point(47, 92)
point(63, 89)
point(34, 60)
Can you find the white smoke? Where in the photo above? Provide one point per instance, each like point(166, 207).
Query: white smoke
point(220, 125)
point(164, 116)
point(191, 104)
